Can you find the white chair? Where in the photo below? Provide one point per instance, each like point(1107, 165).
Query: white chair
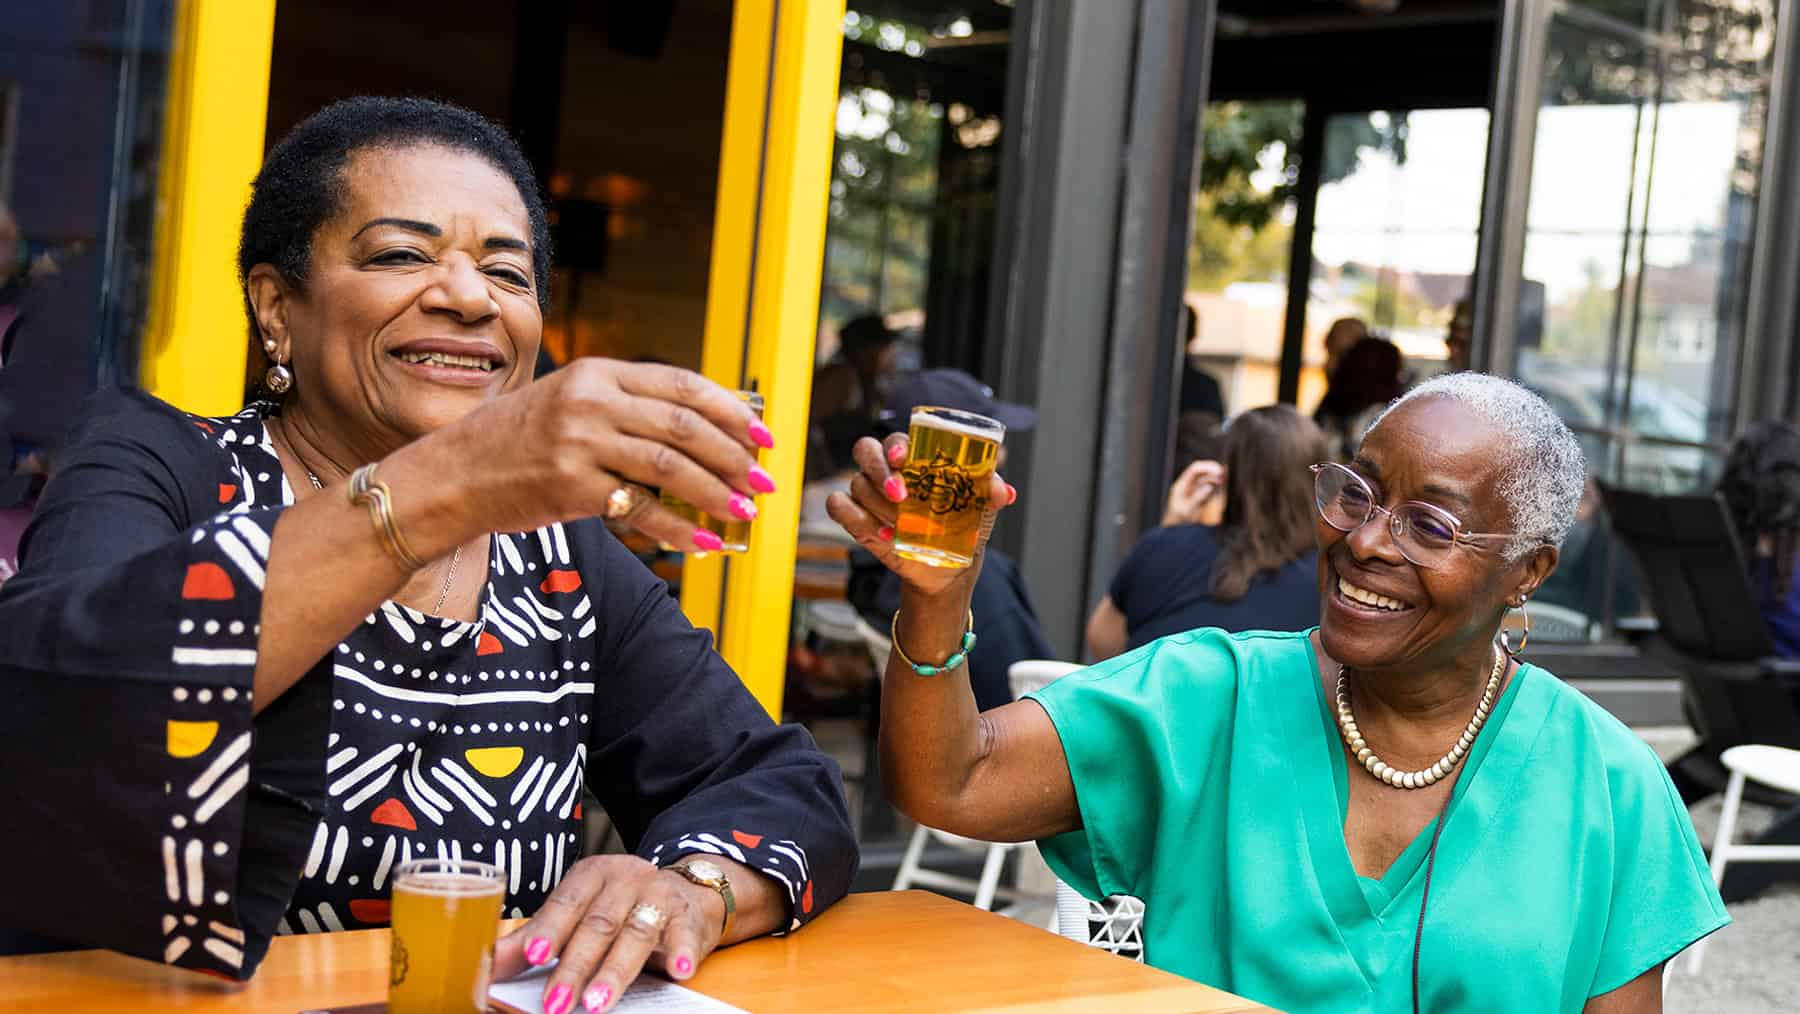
point(1774, 766)
point(1115, 924)
point(1024, 677)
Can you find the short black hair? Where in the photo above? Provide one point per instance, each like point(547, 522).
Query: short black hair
point(301, 183)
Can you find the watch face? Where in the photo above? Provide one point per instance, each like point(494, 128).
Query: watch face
point(705, 870)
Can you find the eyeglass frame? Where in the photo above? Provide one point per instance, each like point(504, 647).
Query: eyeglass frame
point(1459, 536)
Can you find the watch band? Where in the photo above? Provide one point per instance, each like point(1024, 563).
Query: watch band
point(719, 883)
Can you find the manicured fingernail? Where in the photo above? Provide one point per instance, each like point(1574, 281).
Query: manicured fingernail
point(894, 488)
point(742, 508)
point(707, 542)
point(596, 998)
point(537, 950)
point(886, 533)
point(559, 1000)
point(760, 435)
point(1012, 495)
point(684, 966)
point(760, 480)
point(896, 454)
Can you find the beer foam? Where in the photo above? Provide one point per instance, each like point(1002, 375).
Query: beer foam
point(450, 885)
point(938, 422)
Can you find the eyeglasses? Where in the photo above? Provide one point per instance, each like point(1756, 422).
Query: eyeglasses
point(1424, 534)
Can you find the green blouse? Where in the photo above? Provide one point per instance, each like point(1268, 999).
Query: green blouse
point(1212, 785)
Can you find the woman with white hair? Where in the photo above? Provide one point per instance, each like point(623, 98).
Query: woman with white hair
point(1390, 811)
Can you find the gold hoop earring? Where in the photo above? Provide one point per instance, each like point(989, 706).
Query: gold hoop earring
point(1524, 635)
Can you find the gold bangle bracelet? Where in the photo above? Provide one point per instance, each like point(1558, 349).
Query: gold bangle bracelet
point(365, 491)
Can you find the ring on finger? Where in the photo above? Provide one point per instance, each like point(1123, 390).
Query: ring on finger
point(647, 916)
point(623, 502)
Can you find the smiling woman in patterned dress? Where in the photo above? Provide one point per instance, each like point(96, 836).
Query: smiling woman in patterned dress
point(238, 699)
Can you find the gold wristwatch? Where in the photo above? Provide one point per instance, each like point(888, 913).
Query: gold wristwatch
point(710, 876)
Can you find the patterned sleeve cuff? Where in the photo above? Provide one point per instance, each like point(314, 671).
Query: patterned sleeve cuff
point(779, 859)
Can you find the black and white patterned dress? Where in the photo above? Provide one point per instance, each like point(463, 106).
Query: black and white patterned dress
point(133, 624)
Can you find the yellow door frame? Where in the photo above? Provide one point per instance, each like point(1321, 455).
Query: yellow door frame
point(762, 312)
point(195, 337)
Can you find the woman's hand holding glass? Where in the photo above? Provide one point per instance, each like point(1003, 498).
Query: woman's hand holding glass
point(564, 446)
point(870, 509)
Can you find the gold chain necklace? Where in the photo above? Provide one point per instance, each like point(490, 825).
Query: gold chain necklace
point(1353, 736)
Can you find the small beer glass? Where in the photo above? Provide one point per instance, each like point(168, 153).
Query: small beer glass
point(733, 533)
point(950, 457)
point(445, 914)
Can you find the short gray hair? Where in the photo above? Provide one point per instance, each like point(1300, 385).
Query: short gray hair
point(1541, 474)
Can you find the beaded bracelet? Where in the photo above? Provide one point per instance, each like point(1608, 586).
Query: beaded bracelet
point(961, 656)
point(364, 490)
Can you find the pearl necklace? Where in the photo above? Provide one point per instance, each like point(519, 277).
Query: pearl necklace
point(1353, 736)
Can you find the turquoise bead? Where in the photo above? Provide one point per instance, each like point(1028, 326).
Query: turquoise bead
point(927, 670)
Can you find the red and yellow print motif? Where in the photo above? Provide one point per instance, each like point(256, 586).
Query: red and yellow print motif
point(393, 813)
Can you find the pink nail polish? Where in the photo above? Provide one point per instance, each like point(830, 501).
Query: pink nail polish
point(760, 480)
point(885, 533)
point(894, 488)
point(596, 998)
point(742, 508)
point(707, 542)
point(896, 454)
point(537, 950)
point(1012, 495)
point(684, 966)
point(559, 1000)
point(760, 435)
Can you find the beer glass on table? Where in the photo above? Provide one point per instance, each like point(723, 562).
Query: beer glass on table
point(950, 457)
point(733, 533)
point(446, 913)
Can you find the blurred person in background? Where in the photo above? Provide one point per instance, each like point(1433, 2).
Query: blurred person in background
point(1459, 337)
point(848, 392)
point(1368, 378)
point(1201, 410)
point(1257, 570)
point(1340, 338)
point(1761, 487)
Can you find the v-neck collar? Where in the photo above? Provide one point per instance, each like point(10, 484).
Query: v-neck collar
point(1351, 896)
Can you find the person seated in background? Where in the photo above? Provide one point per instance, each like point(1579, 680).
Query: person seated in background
point(1761, 487)
point(1368, 378)
point(1257, 570)
point(1459, 337)
point(1010, 631)
point(358, 614)
point(1279, 800)
point(847, 392)
point(1340, 338)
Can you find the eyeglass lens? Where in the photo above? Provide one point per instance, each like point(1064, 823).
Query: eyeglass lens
point(1423, 535)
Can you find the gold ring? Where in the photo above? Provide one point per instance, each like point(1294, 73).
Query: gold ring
point(647, 916)
point(621, 503)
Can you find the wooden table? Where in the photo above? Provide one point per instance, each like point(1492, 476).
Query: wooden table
point(898, 951)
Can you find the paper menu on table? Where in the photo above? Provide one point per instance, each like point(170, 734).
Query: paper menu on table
point(648, 993)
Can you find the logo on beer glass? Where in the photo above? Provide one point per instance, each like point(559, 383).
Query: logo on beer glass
point(941, 484)
point(397, 963)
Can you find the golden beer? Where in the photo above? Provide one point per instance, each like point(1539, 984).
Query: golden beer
point(950, 457)
point(733, 533)
point(445, 916)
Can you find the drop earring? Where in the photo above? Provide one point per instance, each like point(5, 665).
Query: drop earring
point(1524, 635)
point(279, 379)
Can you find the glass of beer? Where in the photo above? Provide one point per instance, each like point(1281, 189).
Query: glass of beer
point(950, 456)
point(445, 914)
point(733, 533)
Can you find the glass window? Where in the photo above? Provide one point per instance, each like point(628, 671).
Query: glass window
point(1395, 231)
point(1645, 181)
point(82, 90)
